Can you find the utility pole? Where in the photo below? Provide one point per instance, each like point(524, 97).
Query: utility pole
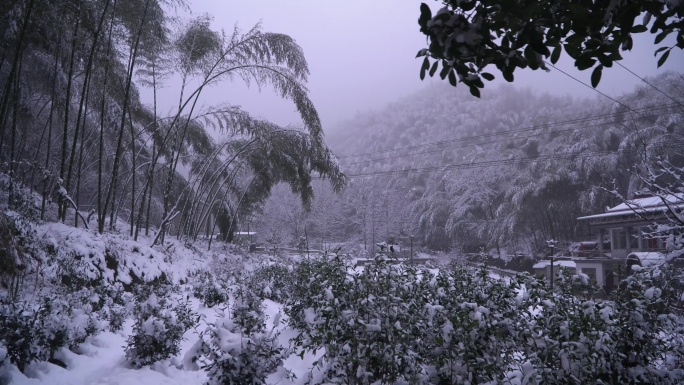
point(411, 237)
point(552, 244)
point(306, 240)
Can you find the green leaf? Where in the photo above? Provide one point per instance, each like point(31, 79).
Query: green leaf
point(475, 91)
point(555, 55)
point(531, 57)
point(445, 70)
point(508, 75)
point(661, 49)
point(661, 36)
point(425, 15)
point(422, 52)
point(584, 62)
point(424, 67)
point(605, 60)
point(452, 78)
point(639, 29)
point(596, 76)
point(433, 69)
point(539, 47)
point(487, 76)
point(663, 58)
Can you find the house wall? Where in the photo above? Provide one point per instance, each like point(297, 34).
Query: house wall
point(626, 239)
point(600, 275)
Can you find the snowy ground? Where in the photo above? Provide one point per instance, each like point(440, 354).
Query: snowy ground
point(101, 361)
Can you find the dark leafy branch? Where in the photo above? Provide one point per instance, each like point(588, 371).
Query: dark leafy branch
point(465, 36)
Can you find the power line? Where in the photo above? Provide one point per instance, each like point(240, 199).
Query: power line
point(654, 87)
point(595, 90)
point(510, 161)
point(522, 129)
point(483, 144)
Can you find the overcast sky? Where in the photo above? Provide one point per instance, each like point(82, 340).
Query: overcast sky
point(361, 55)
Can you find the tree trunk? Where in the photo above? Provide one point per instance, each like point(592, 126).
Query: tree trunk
point(84, 92)
point(111, 191)
point(13, 77)
point(65, 131)
point(101, 211)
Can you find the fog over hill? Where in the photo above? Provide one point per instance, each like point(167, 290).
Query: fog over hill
point(506, 171)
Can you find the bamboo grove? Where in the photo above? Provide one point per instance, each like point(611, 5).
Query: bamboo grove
point(74, 130)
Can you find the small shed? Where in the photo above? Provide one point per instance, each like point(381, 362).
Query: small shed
point(543, 268)
point(244, 237)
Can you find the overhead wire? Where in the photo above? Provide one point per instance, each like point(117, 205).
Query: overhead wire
point(522, 129)
point(481, 143)
point(650, 84)
point(510, 161)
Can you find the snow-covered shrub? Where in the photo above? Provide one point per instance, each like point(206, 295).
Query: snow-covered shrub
point(238, 350)
point(248, 311)
point(647, 327)
point(161, 318)
point(470, 328)
point(270, 282)
point(309, 278)
point(34, 332)
point(17, 251)
point(113, 304)
point(368, 323)
point(631, 339)
point(232, 357)
point(390, 324)
point(207, 290)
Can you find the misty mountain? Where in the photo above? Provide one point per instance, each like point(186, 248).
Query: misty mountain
point(507, 171)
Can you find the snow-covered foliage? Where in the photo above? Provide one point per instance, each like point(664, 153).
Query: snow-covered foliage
point(230, 357)
point(161, 319)
point(238, 350)
point(35, 331)
point(208, 290)
point(389, 323)
point(270, 282)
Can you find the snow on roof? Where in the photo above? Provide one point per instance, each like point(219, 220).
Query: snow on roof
point(545, 263)
point(641, 206)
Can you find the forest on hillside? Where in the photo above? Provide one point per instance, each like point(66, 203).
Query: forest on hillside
point(505, 172)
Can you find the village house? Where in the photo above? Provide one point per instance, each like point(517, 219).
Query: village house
point(626, 237)
point(629, 229)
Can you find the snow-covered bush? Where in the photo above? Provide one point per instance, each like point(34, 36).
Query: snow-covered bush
point(17, 252)
point(368, 323)
point(647, 327)
point(248, 311)
point(471, 324)
point(34, 332)
point(207, 290)
point(270, 282)
point(309, 279)
point(231, 357)
point(390, 323)
point(113, 304)
point(238, 350)
point(161, 318)
point(567, 337)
